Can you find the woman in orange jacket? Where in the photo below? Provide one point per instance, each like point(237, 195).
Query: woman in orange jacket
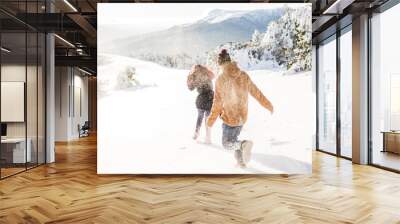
point(231, 104)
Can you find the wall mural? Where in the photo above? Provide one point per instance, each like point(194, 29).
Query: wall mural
point(205, 89)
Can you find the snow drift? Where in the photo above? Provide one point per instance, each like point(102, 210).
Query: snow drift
point(146, 128)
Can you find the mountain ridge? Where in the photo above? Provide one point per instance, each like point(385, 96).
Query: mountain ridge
point(216, 28)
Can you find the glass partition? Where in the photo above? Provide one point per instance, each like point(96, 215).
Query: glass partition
point(22, 77)
point(32, 84)
point(14, 153)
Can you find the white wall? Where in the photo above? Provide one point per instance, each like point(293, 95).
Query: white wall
point(12, 73)
point(79, 117)
point(70, 83)
point(62, 82)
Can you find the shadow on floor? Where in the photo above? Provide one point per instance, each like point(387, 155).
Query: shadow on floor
point(285, 164)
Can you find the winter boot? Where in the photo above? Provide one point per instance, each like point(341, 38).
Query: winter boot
point(196, 134)
point(239, 159)
point(246, 147)
point(208, 135)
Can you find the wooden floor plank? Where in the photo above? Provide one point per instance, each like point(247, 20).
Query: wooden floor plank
point(70, 191)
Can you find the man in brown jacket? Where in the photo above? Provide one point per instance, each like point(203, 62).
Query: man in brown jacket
point(231, 104)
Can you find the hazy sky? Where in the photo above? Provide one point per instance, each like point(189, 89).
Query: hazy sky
point(149, 17)
point(117, 20)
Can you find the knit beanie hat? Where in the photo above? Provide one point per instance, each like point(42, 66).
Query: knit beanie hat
point(223, 57)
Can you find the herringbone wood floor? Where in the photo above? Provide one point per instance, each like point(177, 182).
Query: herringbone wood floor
point(69, 191)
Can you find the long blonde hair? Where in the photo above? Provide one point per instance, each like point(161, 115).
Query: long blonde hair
point(200, 76)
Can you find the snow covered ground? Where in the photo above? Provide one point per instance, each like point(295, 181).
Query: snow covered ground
point(148, 129)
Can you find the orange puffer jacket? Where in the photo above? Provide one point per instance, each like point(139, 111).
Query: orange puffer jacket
point(231, 96)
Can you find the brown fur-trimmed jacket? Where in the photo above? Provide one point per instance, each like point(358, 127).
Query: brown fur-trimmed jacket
point(231, 96)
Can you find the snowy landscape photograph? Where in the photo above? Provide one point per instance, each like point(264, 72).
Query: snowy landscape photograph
point(205, 88)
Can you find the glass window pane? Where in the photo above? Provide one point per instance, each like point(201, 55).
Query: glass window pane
point(386, 89)
point(327, 96)
point(346, 93)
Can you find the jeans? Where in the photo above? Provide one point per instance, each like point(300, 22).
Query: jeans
point(200, 117)
point(230, 137)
